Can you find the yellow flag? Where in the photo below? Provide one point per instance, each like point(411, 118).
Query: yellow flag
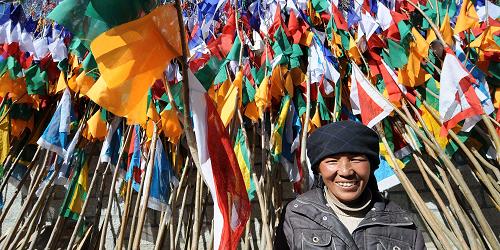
point(238, 83)
point(277, 82)
point(353, 51)
point(420, 46)
point(170, 125)
point(316, 120)
point(262, 99)
point(446, 30)
point(228, 107)
point(4, 139)
point(130, 57)
point(252, 112)
point(433, 127)
point(431, 36)
point(61, 82)
point(486, 41)
point(84, 82)
point(15, 88)
point(467, 19)
point(96, 127)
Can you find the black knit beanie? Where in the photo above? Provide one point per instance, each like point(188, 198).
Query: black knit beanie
point(343, 137)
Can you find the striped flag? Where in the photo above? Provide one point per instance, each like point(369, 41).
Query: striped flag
point(219, 168)
point(241, 151)
point(366, 100)
point(457, 97)
point(78, 188)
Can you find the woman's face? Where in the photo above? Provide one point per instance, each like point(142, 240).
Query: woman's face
point(346, 175)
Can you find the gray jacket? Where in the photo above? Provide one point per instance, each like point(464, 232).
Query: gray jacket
point(307, 223)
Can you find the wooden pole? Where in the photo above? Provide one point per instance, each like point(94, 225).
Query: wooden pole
point(181, 215)
point(481, 173)
point(104, 230)
point(197, 201)
point(457, 176)
point(19, 186)
point(126, 212)
point(417, 200)
point(135, 214)
point(15, 228)
point(84, 206)
point(147, 188)
point(13, 166)
point(305, 128)
point(188, 129)
point(447, 214)
point(265, 222)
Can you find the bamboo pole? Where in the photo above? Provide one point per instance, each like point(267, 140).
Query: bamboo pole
point(13, 166)
point(197, 205)
point(95, 232)
point(55, 231)
point(447, 214)
point(181, 215)
point(126, 212)
point(19, 186)
point(265, 223)
point(23, 210)
point(486, 163)
point(135, 214)
point(167, 217)
point(14, 230)
point(481, 173)
point(104, 230)
point(488, 232)
point(303, 144)
point(417, 200)
point(147, 186)
point(188, 129)
point(84, 206)
point(36, 222)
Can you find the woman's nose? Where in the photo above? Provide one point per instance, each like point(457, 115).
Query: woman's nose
point(345, 168)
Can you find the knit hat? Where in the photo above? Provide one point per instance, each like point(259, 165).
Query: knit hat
point(343, 137)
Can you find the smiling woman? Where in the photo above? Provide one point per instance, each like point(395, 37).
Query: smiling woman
point(345, 209)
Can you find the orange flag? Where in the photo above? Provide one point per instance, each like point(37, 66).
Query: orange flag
point(130, 57)
point(96, 127)
point(467, 19)
point(446, 30)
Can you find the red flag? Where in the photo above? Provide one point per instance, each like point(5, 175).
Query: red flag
point(219, 168)
point(366, 100)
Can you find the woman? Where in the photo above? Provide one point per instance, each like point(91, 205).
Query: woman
point(345, 209)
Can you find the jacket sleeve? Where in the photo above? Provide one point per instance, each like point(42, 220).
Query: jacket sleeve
point(419, 241)
point(284, 228)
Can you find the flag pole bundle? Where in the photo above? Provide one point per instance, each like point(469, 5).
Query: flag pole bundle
point(199, 110)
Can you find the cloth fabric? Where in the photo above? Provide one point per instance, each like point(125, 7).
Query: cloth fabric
point(343, 137)
point(307, 223)
point(349, 216)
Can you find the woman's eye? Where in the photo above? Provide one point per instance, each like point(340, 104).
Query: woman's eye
point(357, 160)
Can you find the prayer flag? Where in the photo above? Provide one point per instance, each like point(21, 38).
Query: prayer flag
point(366, 100)
point(127, 70)
point(220, 170)
point(457, 97)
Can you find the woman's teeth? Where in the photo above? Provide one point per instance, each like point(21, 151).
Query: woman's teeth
point(346, 184)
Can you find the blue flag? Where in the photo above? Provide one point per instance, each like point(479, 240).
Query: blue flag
point(134, 171)
point(163, 180)
point(55, 136)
